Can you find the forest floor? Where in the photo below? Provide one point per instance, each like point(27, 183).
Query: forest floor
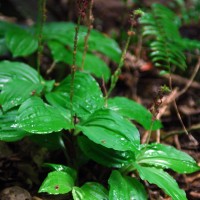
point(20, 165)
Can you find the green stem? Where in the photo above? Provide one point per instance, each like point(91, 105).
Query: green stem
point(40, 23)
point(90, 19)
point(115, 76)
point(149, 133)
point(73, 68)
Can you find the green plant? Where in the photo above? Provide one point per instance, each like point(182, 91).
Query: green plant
point(161, 25)
point(101, 131)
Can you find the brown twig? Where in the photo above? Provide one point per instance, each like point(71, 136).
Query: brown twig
point(167, 100)
point(90, 21)
point(51, 68)
point(172, 133)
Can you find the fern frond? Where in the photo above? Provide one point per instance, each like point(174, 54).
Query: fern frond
point(161, 26)
point(189, 44)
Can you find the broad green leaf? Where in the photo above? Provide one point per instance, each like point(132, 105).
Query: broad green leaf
point(60, 53)
point(63, 168)
point(105, 156)
point(5, 26)
point(163, 180)
point(51, 141)
point(92, 64)
point(16, 91)
point(125, 188)
point(111, 130)
point(60, 31)
point(37, 117)
point(57, 182)
point(101, 43)
point(64, 33)
point(164, 156)
point(10, 70)
point(21, 42)
point(49, 85)
point(135, 111)
point(95, 66)
point(8, 128)
point(87, 96)
point(90, 191)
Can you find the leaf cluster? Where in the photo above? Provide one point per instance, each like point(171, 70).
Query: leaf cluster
point(161, 26)
point(104, 132)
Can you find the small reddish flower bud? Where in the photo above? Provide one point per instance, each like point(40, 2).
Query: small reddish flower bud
point(82, 7)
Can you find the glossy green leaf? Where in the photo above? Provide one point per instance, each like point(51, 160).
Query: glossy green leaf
point(101, 43)
point(16, 91)
point(49, 85)
point(18, 70)
point(8, 128)
point(111, 130)
point(105, 156)
point(34, 113)
point(5, 26)
point(60, 53)
point(60, 31)
point(125, 188)
point(163, 180)
point(63, 168)
point(90, 191)
point(64, 33)
point(57, 182)
point(87, 95)
point(135, 111)
point(160, 155)
point(92, 63)
point(21, 42)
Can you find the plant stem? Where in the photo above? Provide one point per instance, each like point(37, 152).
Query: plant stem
point(40, 23)
point(73, 68)
point(149, 133)
point(90, 21)
point(115, 76)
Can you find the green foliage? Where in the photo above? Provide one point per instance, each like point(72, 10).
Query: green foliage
point(28, 43)
point(166, 157)
point(57, 182)
point(18, 70)
point(58, 37)
point(111, 130)
point(93, 64)
point(125, 188)
point(160, 24)
point(90, 191)
point(134, 111)
point(87, 95)
point(105, 156)
point(8, 127)
point(163, 180)
point(34, 113)
point(75, 114)
point(19, 40)
point(64, 33)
